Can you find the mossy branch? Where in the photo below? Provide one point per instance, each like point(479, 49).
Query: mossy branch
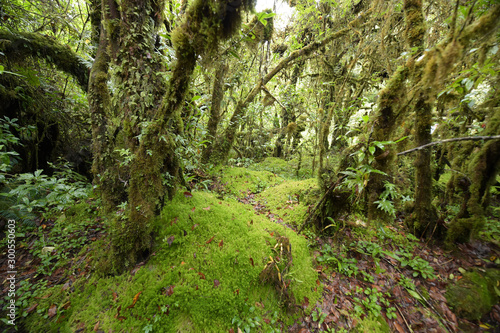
point(468, 138)
point(21, 45)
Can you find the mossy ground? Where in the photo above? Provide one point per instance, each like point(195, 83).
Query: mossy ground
point(290, 200)
point(204, 272)
point(239, 181)
point(287, 169)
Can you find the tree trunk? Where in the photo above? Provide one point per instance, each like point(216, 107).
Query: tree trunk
point(215, 113)
point(424, 219)
point(134, 153)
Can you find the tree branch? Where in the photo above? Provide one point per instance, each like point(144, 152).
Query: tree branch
point(468, 138)
point(21, 45)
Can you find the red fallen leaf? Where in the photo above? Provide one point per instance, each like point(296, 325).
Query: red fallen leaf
point(118, 311)
point(317, 282)
point(221, 243)
point(115, 296)
point(31, 308)
point(251, 261)
point(272, 234)
point(188, 195)
point(174, 221)
point(202, 276)
point(206, 208)
point(136, 297)
point(210, 240)
point(220, 202)
point(231, 330)
point(170, 240)
point(192, 209)
point(194, 226)
point(96, 326)
point(52, 310)
point(170, 290)
point(305, 304)
point(237, 291)
point(216, 283)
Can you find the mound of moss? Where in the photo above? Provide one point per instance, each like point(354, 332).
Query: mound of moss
point(475, 294)
point(239, 181)
point(292, 169)
point(290, 199)
point(202, 277)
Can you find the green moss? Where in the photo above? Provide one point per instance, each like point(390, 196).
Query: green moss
point(238, 181)
point(474, 294)
point(291, 199)
point(211, 252)
point(286, 169)
point(373, 325)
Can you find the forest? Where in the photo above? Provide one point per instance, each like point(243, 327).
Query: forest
point(250, 166)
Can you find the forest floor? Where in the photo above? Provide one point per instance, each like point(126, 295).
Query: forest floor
point(372, 279)
point(376, 280)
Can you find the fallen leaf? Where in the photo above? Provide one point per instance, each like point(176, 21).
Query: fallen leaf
point(251, 261)
point(216, 283)
point(96, 326)
point(194, 226)
point(121, 318)
point(170, 290)
point(399, 328)
point(52, 310)
point(207, 208)
point(136, 297)
point(174, 221)
point(210, 240)
point(192, 209)
point(118, 311)
point(272, 234)
point(188, 195)
point(202, 276)
point(221, 243)
point(115, 296)
point(66, 286)
point(305, 304)
point(231, 330)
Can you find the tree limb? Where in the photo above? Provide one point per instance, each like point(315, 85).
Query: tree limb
point(21, 45)
point(468, 138)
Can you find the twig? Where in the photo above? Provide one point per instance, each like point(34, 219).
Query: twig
point(468, 138)
point(402, 316)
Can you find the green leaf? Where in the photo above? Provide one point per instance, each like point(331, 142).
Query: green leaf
point(414, 294)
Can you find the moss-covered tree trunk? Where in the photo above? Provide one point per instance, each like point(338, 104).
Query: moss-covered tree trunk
point(424, 219)
point(134, 125)
point(215, 111)
point(287, 115)
point(482, 170)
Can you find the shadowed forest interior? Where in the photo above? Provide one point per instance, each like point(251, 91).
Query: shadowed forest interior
point(250, 166)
